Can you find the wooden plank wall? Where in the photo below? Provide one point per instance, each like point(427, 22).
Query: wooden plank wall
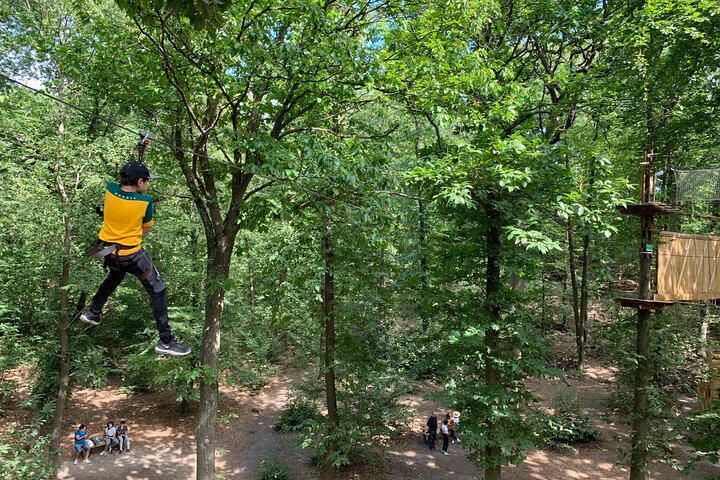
point(688, 267)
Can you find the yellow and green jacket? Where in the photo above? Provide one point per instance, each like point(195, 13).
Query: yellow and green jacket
point(125, 215)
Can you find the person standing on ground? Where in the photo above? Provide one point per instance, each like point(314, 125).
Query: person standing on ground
point(446, 436)
point(127, 216)
point(454, 426)
point(432, 425)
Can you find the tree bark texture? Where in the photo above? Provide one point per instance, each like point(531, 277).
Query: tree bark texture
point(64, 380)
point(217, 272)
point(64, 344)
point(638, 458)
point(425, 276)
point(576, 302)
point(329, 353)
point(584, 292)
point(492, 289)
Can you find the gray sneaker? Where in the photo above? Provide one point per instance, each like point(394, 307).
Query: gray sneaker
point(172, 348)
point(90, 317)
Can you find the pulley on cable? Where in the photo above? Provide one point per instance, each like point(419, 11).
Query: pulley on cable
point(142, 145)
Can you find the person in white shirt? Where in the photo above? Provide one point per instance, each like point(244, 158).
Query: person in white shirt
point(446, 436)
point(111, 440)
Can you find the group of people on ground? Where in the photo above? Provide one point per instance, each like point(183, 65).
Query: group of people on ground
point(448, 430)
point(114, 437)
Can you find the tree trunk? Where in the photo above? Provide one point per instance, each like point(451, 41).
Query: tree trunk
point(542, 314)
point(638, 458)
point(492, 373)
point(584, 295)
point(579, 337)
point(64, 380)
point(424, 275)
point(217, 273)
point(64, 344)
point(329, 354)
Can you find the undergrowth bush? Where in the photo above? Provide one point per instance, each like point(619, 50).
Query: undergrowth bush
point(254, 377)
point(700, 429)
point(18, 461)
point(568, 424)
point(6, 389)
point(298, 415)
point(272, 468)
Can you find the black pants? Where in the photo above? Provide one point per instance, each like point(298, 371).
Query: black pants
point(432, 433)
point(445, 442)
point(140, 265)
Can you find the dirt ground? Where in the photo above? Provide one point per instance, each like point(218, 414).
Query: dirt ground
point(164, 442)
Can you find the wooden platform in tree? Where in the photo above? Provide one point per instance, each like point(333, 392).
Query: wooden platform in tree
point(658, 208)
point(645, 304)
point(651, 208)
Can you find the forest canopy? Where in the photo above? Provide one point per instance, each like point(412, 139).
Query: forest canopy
point(380, 193)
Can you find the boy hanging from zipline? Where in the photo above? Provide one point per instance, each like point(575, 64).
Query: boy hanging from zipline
point(128, 215)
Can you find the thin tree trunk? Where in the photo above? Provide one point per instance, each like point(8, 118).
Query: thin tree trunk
point(329, 354)
point(64, 382)
point(492, 374)
point(196, 262)
point(638, 457)
point(64, 343)
point(564, 300)
point(580, 346)
point(424, 275)
point(584, 296)
point(542, 315)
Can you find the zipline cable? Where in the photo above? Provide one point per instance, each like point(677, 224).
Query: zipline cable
point(173, 147)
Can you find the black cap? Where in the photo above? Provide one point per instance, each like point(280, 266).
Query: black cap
point(135, 169)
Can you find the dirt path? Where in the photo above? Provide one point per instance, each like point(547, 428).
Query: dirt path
point(164, 443)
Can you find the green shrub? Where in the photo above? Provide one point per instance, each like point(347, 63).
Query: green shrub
point(272, 468)
point(6, 390)
point(19, 461)
point(297, 416)
point(254, 378)
point(700, 429)
point(568, 425)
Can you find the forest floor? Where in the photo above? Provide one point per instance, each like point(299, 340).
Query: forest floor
point(164, 442)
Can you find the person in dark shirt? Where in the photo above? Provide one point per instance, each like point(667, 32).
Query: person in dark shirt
point(432, 425)
point(122, 433)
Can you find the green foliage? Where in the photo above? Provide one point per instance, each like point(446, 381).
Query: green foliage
point(272, 468)
point(568, 424)
point(675, 358)
point(253, 378)
point(701, 430)
point(22, 461)
point(369, 415)
point(421, 357)
point(299, 415)
point(177, 374)
point(6, 390)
